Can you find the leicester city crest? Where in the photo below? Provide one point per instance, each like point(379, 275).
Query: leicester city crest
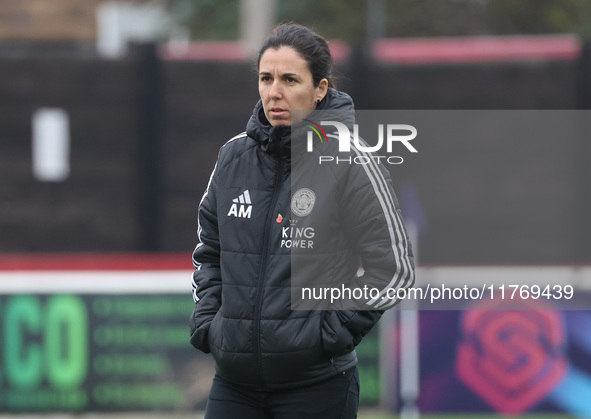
point(302, 202)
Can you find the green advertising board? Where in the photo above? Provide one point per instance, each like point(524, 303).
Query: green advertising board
point(114, 352)
point(95, 352)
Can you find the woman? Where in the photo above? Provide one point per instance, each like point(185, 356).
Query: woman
point(273, 361)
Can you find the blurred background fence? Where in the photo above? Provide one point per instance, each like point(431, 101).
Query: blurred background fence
point(144, 131)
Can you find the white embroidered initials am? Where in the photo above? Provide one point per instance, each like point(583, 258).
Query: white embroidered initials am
point(241, 206)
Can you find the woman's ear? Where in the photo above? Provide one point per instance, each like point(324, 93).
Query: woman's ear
point(321, 90)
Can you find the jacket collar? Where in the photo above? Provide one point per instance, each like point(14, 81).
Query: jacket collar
point(277, 139)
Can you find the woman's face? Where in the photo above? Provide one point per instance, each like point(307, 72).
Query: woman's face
point(286, 85)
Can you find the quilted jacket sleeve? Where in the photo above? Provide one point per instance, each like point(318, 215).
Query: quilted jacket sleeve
point(378, 234)
point(376, 230)
point(207, 284)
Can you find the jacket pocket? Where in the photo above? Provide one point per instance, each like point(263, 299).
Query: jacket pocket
point(214, 337)
point(199, 330)
point(335, 337)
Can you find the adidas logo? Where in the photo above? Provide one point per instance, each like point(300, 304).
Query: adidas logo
point(242, 206)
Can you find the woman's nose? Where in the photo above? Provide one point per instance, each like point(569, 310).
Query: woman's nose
point(275, 91)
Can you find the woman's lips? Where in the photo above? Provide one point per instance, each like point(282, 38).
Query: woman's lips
point(278, 112)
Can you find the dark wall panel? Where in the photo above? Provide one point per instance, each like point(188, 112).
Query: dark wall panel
point(95, 207)
point(494, 187)
point(514, 85)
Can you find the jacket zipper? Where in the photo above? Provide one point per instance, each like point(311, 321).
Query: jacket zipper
point(265, 255)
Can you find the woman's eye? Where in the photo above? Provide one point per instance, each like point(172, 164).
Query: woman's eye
point(291, 80)
point(265, 78)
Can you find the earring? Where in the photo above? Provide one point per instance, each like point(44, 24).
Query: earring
point(317, 101)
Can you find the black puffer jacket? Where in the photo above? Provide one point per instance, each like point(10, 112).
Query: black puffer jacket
point(266, 219)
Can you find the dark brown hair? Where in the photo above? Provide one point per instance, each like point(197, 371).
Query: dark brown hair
point(312, 47)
